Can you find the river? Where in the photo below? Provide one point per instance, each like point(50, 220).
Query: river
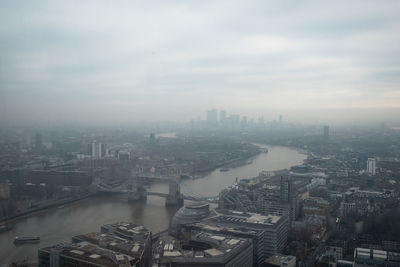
point(59, 224)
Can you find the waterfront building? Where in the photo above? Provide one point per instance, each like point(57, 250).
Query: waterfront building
point(371, 166)
point(128, 231)
point(189, 213)
point(203, 249)
point(119, 244)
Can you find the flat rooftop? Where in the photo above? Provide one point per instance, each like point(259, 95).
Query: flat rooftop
point(228, 216)
point(113, 242)
point(91, 253)
point(127, 230)
point(202, 246)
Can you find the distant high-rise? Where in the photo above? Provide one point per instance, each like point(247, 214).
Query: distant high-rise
point(235, 120)
point(38, 141)
point(152, 138)
point(371, 166)
point(97, 150)
point(280, 119)
point(261, 121)
point(212, 117)
point(222, 117)
point(326, 131)
point(244, 121)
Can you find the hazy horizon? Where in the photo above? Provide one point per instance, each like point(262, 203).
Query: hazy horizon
point(98, 62)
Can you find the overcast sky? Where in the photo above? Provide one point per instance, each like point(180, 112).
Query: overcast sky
point(131, 60)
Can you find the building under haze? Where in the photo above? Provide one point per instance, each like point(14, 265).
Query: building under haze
point(371, 166)
point(212, 117)
point(326, 131)
point(97, 150)
point(222, 117)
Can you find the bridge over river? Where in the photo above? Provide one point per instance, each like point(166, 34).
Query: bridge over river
point(137, 190)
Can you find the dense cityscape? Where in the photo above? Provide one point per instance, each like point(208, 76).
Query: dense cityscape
point(338, 206)
point(199, 133)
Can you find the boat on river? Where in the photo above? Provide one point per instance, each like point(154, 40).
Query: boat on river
point(224, 169)
point(26, 240)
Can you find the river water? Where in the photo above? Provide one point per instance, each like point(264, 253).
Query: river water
point(59, 224)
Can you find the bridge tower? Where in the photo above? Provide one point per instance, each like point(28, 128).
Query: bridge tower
point(174, 197)
point(138, 191)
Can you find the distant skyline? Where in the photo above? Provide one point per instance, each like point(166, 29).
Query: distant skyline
point(118, 62)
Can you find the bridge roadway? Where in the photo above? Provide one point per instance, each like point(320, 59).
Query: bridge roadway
point(124, 188)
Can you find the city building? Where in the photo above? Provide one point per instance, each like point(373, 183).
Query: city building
point(256, 236)
point(119, 244)
point(189, 213)
point(203, 249)
point(222, 117)
point(326, 131)
point(212, 117)
point(374, 257)
point(129, 231)
point(279, 260)
point(97, 150)
point(371, 166)
point(272, 228)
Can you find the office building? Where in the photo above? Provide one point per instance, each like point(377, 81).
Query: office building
point(373, 257)
point(120, 244)
point(271, 230)
point(38, 142)
point(279, 260)
point(203, 249)
point(326, 131)
point(256, 236)
point(97, 150)
point(212, 117)
point(371, 166)
point(235, 120)
point(222, 117)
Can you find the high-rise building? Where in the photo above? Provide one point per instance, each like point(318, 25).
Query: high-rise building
point(212, 117)
point(235, 120)
point(326, 131)
point(97, 150)
point(288, 197)
point(152, 138)
point(280, 119)
point(244, 121)
point(222, 117)
point(38, 142)
point(371, 166)
point(273, 229)
point(261, 121)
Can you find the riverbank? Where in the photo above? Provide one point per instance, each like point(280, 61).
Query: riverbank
point(44, 207)
point(85, 216)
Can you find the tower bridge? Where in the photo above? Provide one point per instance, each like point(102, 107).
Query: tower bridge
point(136, 189)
